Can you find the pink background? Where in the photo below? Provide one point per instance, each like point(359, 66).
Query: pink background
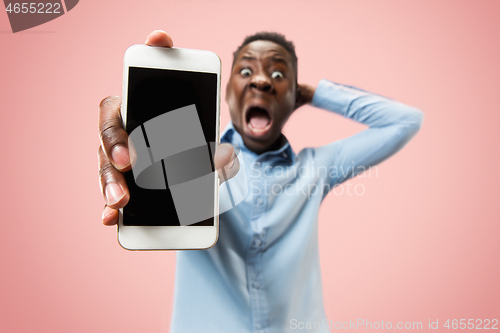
point(422, 241)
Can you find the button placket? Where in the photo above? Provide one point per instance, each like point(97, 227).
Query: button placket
point(254, 256)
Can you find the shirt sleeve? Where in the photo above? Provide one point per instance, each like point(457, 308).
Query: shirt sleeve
point(391, 126)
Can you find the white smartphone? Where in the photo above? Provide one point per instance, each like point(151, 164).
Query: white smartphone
point(171, 111)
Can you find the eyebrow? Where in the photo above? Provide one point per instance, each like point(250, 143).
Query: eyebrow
point(273, 58)
point(280, 60)
point(248, 58)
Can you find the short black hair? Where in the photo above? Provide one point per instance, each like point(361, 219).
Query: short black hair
point(272, 37)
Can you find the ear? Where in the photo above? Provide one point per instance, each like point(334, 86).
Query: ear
point(304, 94)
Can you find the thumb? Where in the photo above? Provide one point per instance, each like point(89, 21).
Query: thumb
point(226, 162)
point(159, 38)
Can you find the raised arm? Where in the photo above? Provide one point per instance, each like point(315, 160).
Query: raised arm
point(392, 125)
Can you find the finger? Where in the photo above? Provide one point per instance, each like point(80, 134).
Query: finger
point(159, 38)
point(113, 185)
point(114, 138)
point(226, 161)
point(109, 216)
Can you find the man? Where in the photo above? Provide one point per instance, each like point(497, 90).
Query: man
point(263, 275)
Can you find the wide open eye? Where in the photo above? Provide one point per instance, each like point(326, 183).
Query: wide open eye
point(246, 72)
point(277, 75)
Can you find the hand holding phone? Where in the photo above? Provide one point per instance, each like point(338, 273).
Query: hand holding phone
point(114, 155)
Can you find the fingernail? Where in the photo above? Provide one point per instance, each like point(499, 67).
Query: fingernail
point(105, 213)
point(232, 161)
point(120, 156)
point(133, 157)
point(114, 193)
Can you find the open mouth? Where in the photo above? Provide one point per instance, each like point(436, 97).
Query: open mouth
point(258, 120)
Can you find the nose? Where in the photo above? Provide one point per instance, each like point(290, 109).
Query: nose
point(261, 82)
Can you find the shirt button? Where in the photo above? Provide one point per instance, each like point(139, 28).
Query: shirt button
point(256, 285)
point(257, 242)
point(285, 155)
point(260, 201)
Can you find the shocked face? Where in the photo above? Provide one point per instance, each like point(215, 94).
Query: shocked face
point(261, 94)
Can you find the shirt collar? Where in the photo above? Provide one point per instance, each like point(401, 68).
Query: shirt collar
point(231, 135)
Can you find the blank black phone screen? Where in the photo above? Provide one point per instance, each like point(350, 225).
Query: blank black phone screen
point(171, 121)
